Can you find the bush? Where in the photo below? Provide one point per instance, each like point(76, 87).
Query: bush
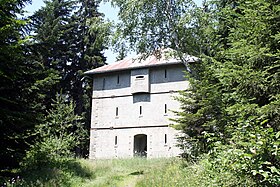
point(48, 152)
point(204, 172)
point(57, 136)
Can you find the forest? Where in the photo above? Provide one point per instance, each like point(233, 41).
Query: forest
point(230, 115)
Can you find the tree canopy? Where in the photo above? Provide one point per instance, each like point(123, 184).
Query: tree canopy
point(232, 105)
point(43, 55)
point(231, 110)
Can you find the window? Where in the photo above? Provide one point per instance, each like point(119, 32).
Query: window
point(139, 81)
point(165, 73)
point(104, 81)
point(116, 140)
point(118, 79)
point(140, 110)
point(165, 108)
point(165, 138)
point(140, 77)
point(117, 111)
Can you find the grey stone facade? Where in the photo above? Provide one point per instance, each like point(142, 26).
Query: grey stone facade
point(131, 108)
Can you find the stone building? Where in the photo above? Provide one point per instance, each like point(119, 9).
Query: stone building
point(132, 103)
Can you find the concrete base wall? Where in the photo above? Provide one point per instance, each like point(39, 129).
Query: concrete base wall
point(119, 143)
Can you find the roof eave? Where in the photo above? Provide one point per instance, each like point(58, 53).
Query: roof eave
point(135, 67)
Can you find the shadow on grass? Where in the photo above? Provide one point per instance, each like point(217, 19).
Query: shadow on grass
point(57, 174)
point(137, 173)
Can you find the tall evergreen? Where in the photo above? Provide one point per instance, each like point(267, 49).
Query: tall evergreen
point(17, 115)
point(69, 40)
point(87, 53)
point(233, 103)
point(50, 45)
point(87, 45)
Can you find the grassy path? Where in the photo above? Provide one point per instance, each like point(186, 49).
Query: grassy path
point(122, 173)
point(130, 181)
point(131, 172)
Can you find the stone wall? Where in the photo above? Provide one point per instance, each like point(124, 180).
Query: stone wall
point(119, 113)
point(160, 142)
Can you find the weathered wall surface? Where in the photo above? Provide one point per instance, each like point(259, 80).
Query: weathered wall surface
point(121, 111)
point(103, 144)
point(137, 110)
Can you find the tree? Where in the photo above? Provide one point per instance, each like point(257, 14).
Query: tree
point(240, 80)
point(150, 25)
point(17, 114)
point(69, 40)
point(90, 32)
point(58, 135)
point(50, 46)
point(231, 109)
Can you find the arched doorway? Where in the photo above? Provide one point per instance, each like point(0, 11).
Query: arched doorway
point(140, 145)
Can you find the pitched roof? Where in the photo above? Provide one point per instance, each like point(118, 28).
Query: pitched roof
point(164, 57)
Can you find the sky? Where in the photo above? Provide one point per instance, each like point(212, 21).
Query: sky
point(106, 8)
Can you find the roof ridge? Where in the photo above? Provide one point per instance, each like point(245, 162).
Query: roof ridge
point(149, 61)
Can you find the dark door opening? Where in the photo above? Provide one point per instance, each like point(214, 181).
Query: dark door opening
point(140, 145)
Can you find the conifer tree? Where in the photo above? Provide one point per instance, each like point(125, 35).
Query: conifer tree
point(233, 103)
point(59, 133)
point(17, 115)
point(69, 40)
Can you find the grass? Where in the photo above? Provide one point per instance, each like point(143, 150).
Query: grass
point(201, 174)
point(123, 172)
point(137, 172)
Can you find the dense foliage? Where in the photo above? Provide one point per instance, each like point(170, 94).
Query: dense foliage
point(68, 40)
point(149, 25)
point(15, 83)
point(42, 55)
point(60, 132)
point(231, 109)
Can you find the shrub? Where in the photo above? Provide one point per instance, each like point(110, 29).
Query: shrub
point(57, 136)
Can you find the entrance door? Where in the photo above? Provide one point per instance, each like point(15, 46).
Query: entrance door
point(140, 145)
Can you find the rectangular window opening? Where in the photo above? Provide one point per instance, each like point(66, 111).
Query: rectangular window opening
point(165, 138)
point(165, 108)
point(140, 77)
point(104, 81)
point(118, 79)
point(165, 73)
point(117, 111)
point(116, 140)
point(140, 110)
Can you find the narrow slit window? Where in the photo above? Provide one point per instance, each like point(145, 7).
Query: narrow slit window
point(117, 111)
point(165, 73)
point(104, 81)
point(140, 111)
point(140, 77)
point(165, 108)
point(116, 140)
point(118, 79)
point(165, 138)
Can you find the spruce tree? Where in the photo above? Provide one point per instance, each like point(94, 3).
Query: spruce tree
point(233, 103)
point(69, 40)
point(17, 114)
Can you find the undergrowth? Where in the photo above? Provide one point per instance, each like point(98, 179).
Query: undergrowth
point(138, 172)
point(184, 174)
